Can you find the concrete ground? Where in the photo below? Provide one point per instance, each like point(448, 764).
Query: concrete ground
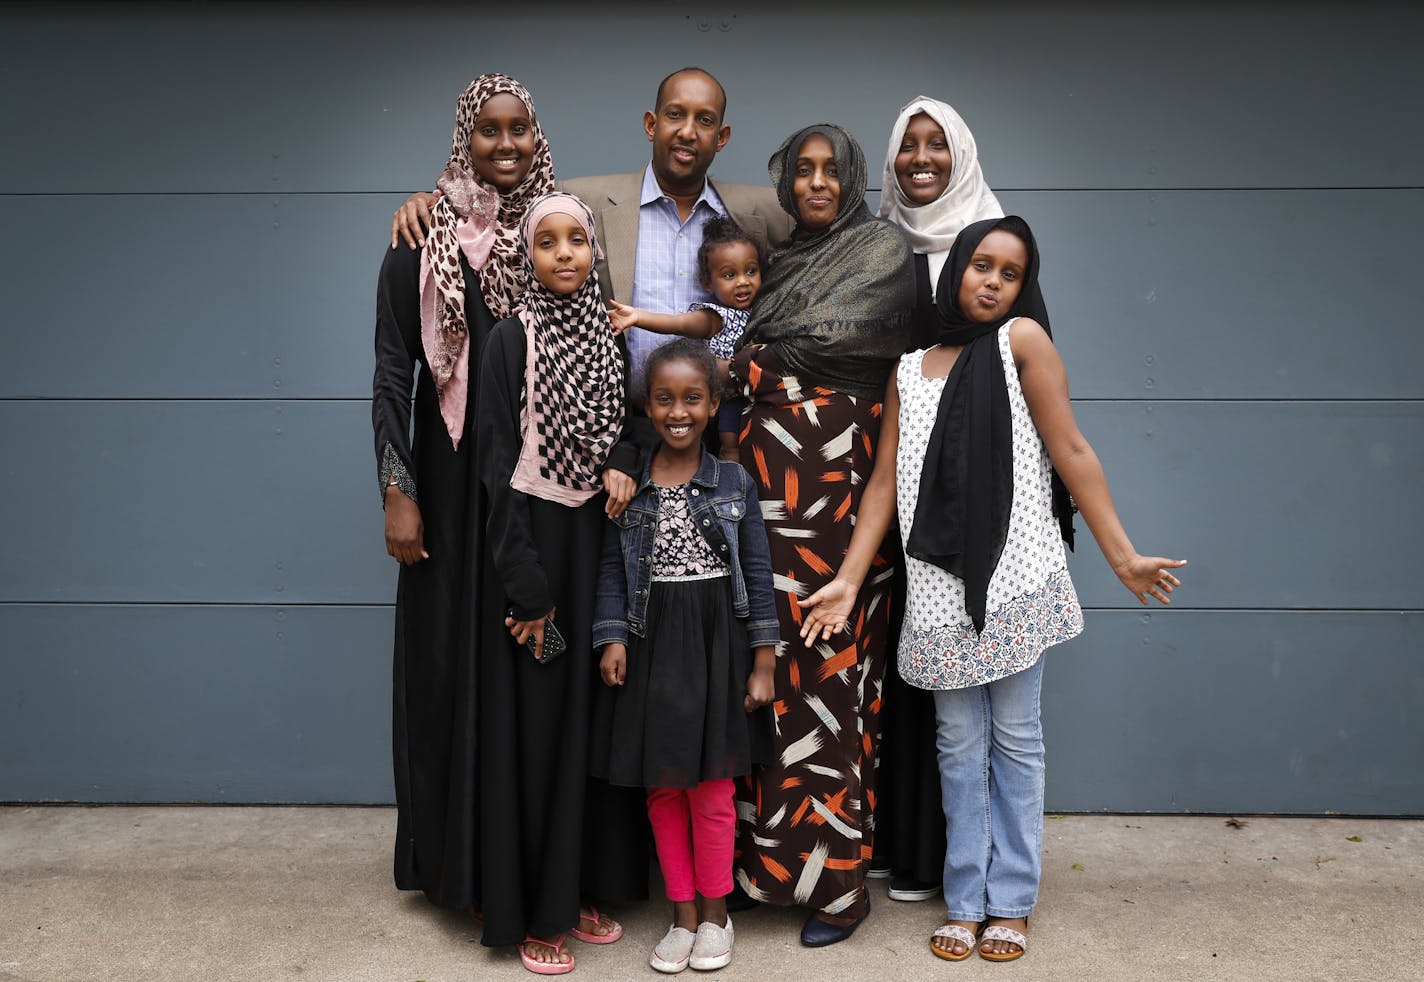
point(119, 893)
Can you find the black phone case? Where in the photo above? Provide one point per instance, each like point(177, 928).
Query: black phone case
point(554, 643)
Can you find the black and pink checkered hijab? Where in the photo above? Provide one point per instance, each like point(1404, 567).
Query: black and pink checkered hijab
point(571, 410)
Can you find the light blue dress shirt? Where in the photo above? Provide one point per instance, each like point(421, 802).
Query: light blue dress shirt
point(665, 278)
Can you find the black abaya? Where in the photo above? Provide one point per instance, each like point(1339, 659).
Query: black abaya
point(484, 740)
point(547, 830)
point(433, 734)
point(909, 821)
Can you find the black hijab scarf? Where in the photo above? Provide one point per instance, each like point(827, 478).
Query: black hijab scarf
point(967, 483)
point(836, 302)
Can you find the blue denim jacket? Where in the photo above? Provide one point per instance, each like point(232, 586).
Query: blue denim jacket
point(724, 506)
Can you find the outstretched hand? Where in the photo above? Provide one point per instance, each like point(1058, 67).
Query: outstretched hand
point(1148, 577)
point(411, 220)
point(829, 610)
point(622, 316)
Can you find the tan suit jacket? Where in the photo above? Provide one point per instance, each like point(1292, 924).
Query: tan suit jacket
point(614, 200)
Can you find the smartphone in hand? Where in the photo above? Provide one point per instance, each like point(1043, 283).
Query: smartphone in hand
point(554, 644)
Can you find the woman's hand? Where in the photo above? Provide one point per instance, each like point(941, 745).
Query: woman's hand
point(408, 219)
point(1148, 577)
point(405, 532)
point(620, 488)
point(613, 666)
point(830, 609)
point(524, 630)
point(622, 316)
point(761, 688)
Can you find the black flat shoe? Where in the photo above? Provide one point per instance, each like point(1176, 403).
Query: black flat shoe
point(816, 933)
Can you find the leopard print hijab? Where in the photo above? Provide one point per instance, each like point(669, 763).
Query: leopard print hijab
point(472, 217)
point(571, 409)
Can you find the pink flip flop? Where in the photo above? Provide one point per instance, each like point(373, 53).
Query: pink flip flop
point(545, 968)
point(588, 937)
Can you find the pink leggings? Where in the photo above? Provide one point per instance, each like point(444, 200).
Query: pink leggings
point(694, 829)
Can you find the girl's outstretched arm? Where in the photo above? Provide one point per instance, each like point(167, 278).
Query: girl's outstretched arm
point(1045, 388)
point(830, 606)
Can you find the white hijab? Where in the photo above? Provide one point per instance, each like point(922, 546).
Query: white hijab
point(932, 228)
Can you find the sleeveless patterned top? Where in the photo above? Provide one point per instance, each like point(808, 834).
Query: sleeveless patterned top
point(1031, 602)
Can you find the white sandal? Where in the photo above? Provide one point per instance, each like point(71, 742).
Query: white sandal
point(1000, 933)
point(955, 932)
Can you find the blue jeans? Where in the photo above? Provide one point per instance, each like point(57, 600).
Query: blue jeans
point(990, 743)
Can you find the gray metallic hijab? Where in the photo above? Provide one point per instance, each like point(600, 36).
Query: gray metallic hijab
point(836, 302)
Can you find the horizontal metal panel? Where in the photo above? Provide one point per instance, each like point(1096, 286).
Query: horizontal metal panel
point(1153, 295)
point(1304, 505)
point(1236, 711)
point(212, 704)
point(1293, 505)
point(237, 502)
point(200, 296)
point(156, 98)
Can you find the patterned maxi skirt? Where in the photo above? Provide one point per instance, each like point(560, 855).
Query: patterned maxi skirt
point(806, 820)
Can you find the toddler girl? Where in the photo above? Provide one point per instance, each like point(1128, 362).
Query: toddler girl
point(687, 623)
point(729, 264)
point(972, 429)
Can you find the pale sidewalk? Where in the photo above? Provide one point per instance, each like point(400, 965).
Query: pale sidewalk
point(120, 893)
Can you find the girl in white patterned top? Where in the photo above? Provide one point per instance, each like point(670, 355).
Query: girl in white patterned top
point(972, 429)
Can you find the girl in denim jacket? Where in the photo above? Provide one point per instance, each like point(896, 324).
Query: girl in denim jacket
point(687, 624)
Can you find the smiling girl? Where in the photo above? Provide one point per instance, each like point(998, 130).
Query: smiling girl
point(688, 629)
point(550, 408)
point(971, 428)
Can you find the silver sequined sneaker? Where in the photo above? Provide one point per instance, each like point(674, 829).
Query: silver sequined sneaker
point(713, 947)
point(670, 955)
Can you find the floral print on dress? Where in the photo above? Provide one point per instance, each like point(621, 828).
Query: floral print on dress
point(679, 551)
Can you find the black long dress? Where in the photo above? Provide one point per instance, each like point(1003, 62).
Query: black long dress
point(544, 820)
point(433, 733)
point(470, 825)
point(909, 819)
